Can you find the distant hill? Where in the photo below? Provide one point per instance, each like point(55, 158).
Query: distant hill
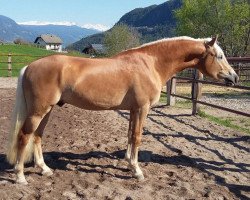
point(84, 42)
point(10, 30)
point(153, 22)
point(155, 15)
point(69, 34)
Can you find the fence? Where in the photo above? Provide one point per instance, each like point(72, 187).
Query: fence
point(240, 65)
point(241, 69)
point(196, 91)
point(7, 63)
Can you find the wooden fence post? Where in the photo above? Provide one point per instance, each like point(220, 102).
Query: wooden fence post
point(196, 91)
point(171, 89)
point(9, 65)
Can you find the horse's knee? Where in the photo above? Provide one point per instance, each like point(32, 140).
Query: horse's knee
point(23, 139)
point(137, 139)
point(37, 139)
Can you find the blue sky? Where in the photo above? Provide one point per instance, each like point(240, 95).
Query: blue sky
point(81, 12)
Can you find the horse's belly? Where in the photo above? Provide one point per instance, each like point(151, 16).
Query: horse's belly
point(99, 100)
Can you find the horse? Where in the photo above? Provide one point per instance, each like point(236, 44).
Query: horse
point(131, 80)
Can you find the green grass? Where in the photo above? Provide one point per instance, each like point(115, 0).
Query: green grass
point(224, 122)
point(246, 84)
point(31, 53)
point(23, 49)
point(186, 104)
point(163, 97)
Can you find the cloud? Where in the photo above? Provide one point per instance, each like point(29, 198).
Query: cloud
point(99, 27)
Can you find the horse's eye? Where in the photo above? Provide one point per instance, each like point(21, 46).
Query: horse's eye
point(219, 57)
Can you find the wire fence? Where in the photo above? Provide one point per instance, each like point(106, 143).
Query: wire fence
point(196, 79)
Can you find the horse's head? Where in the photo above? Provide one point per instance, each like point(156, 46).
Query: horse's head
point(215, 65)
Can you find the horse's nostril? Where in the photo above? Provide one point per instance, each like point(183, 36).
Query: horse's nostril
point(236, 78)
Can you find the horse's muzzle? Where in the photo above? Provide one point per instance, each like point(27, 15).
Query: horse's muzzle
point(232, 79)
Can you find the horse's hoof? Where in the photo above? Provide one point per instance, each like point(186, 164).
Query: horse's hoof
point(127, 157)
point(139, 177)
point(47, 173)
point(21, 181)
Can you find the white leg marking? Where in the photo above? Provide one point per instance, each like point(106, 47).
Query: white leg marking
point(18, 169)
point(135, 166)
point(40, 161)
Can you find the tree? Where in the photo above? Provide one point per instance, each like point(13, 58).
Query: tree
point(119, 38)
point(20, 41)
point(228, 18)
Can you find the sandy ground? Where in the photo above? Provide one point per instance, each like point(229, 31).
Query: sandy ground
point(182, 157)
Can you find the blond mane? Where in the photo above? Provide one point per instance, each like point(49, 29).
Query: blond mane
point(216, 46)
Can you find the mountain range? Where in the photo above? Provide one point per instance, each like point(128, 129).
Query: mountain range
point(152, 23)
point(10, 30)
point(68, 34)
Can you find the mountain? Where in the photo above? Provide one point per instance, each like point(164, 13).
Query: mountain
point(152, 23)
point(84, 42)
point(69, 34)
point(10, 30)
point(152, 16)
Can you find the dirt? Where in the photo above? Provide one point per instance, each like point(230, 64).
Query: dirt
point(182, 157)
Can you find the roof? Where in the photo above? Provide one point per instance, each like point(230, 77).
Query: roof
point(50, 39)
point(98, 47)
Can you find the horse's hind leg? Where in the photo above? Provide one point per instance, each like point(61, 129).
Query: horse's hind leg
point(23, 150)
point(38, 154)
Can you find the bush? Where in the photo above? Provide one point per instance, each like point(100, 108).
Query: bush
point(121, 37)
point(20, 41)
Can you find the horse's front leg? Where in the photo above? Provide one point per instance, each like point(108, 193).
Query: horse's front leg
point(138, 119)
point(128, 152)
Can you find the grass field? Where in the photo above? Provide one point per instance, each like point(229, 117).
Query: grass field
point(24, 54)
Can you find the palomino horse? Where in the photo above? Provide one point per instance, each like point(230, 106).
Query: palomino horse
point(131, 80)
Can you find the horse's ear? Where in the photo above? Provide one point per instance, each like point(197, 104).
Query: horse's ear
point(212, 42)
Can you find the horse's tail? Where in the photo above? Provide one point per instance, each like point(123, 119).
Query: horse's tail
point(18, 117)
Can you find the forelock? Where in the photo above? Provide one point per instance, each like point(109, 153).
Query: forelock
point(217, 48)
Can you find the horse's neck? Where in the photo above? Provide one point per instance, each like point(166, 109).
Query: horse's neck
point(175, 56)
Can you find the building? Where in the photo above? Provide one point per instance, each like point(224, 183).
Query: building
point(94, 49)
point(50, 42)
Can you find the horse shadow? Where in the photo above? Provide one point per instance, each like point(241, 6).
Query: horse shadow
point(62, 160)
point(200, 163)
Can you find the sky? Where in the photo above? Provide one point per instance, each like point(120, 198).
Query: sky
point(101, 14)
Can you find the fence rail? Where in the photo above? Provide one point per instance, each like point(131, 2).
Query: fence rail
point(171, 85)
point(196, 91)
point(191, 80)
point(9, 61)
